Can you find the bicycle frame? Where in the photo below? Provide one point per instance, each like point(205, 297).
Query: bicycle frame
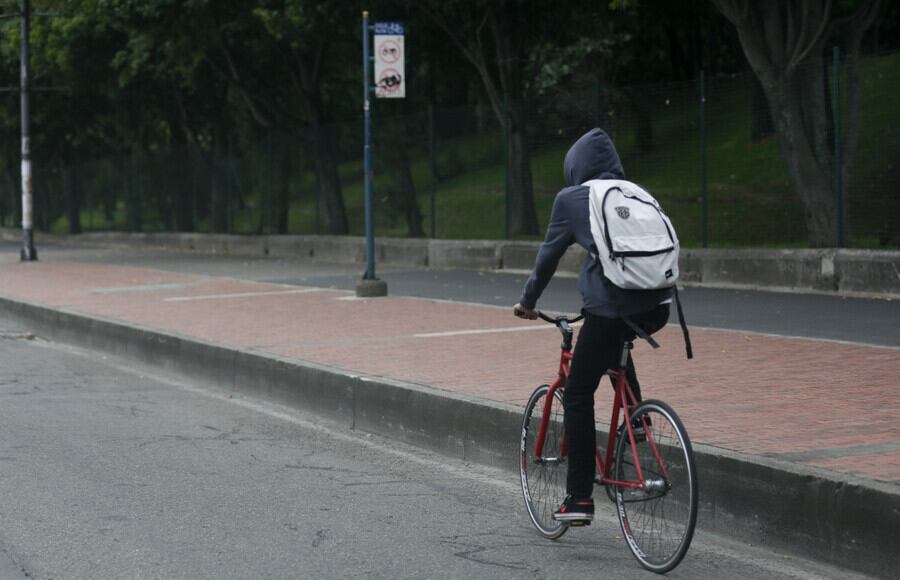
point(623, 401)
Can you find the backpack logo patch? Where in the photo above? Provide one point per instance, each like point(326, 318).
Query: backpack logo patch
point(623, 212)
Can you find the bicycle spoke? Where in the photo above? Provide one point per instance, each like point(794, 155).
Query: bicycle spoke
point(658, 522)
point(543, 479)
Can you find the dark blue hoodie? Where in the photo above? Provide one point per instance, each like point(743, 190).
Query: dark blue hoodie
point(593, 156)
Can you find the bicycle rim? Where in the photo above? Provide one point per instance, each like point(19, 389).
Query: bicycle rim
point(658, 521)
point(543, 479)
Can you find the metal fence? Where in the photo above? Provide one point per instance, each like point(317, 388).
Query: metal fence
point(708, 149)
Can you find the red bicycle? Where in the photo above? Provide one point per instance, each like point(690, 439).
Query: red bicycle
point(651, 476)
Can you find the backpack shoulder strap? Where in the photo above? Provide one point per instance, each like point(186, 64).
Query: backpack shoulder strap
point(687, 335)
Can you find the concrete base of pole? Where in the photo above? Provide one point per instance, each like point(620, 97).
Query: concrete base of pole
point(373, 288)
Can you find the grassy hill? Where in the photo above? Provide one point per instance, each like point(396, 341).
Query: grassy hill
point(751, 198)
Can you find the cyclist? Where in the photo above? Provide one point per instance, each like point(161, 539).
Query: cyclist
point(593, 156)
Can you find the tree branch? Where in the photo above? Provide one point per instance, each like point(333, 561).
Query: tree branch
point(738, 12)
point(476, 59)
point(235, 78)
point(800, 55)
point(872, 7)
point(468, 54)
point(850, 136)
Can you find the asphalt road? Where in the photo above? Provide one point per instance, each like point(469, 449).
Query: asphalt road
point(866, 321)
point(109, 472)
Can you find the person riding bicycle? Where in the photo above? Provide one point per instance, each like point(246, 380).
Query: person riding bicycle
point(593, 156)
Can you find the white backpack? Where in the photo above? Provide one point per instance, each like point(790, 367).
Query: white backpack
point(636, 242)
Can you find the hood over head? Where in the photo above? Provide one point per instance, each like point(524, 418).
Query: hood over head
point(593, 156)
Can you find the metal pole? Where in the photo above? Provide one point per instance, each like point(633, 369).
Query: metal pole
point(838, 173)
point(704, 195)
point(29, 253)
point(369, 286)
point(367, 152)
point(433, 167)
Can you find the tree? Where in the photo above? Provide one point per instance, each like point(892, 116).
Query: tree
point(499, 27)
point(305, 32)
point(785, 44)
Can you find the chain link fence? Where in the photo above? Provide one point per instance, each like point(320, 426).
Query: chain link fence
point(709, 150)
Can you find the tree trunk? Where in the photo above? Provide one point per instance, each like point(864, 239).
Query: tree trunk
point(522, 214)
point(805, 138)
point(5, 200)
point(73, 199)
point(115, 183)
point(329, 179)
point(283, 201)
point(409, 202)
point(784, 43)
point(179, 164)
point(394, 150)
point(218, 199)
point(644, 120)
point(218, 195)
point(135, 193)
point(760, 116)
point(507, 24)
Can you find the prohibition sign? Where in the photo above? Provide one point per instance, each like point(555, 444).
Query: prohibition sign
point(389, 51)
point(390, 81)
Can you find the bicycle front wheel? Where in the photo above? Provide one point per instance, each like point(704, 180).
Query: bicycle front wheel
point(543, 477)
point(658, 518)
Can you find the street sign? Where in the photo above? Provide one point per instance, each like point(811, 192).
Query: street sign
point(390, 79)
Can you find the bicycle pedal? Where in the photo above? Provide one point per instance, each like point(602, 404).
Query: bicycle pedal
point(579, 523)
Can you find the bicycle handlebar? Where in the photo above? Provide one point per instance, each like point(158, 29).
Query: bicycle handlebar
point(556, 321)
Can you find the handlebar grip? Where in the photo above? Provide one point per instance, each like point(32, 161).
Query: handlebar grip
point(544, 317)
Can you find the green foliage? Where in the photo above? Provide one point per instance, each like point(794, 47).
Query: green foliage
point(190, 83)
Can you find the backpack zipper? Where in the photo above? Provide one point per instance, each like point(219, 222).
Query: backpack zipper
point(636, 254)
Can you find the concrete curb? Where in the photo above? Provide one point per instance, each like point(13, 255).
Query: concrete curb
point(841, 271)
point(849, 522)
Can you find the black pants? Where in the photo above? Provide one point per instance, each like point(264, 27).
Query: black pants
point(598, 349)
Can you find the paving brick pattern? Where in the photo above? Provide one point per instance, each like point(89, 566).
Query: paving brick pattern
point(824, 403)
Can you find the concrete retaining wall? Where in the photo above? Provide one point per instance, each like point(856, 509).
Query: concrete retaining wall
point(867, 272)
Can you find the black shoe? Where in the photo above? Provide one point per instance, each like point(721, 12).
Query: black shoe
point(637, 427)
point(575, 512)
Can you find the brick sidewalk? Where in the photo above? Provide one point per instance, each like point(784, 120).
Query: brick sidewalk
point(832, 405)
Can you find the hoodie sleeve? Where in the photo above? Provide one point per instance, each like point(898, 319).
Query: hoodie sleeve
point(559, 238)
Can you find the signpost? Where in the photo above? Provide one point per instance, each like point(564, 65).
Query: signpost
point(390, 83)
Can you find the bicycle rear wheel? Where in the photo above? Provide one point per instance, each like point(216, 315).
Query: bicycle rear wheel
point(543, 478)
point(658, 519)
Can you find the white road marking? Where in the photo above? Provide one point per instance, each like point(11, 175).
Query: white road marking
point(485, 331)
point(788, 336)
point(242, 295)
point(143, 288)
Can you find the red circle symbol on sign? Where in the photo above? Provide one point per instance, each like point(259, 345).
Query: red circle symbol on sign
point(389, 51)
point(390, 80)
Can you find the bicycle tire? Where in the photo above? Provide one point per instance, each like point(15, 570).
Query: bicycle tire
point(544, 481)
point(658, 522)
